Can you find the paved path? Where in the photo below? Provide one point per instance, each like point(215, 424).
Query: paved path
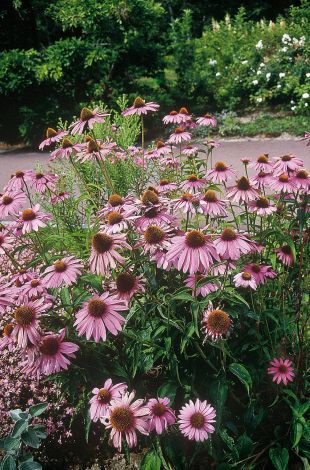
point(230, 151)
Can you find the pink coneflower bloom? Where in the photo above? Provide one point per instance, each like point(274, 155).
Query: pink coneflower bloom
point(32, 219)
point(220, 173)
point(231, 245)
point(63, 272)
point(170, 162)
point(193, 184)
point(95, 149)
point(11, 202)
point(301, 179)
point(155, 238)
point(190, 150)
point(285, 254)
point(23, 275)
point(192, 252)
point(154, 216)
point(125, 416)
point(60, 197)
point(207, 120)
point(286, 163)
point(246, 161)
point(53, 355)
point(160, 258)
point(34, 289)
point(41, 182)
point(262, 179)
point(163, 148)
point(243, 191)
point(26, 319)
point(204, 289)
point(211, 205)
point(260, 272)
point(140, 107)
point(282, 371)
point(51, 137)
point(175, 117)
point(66, 149)
point(215, 323)
point(126, 285)
point(187, 203)
point(212, 144)
point(6, 299)
point(161, 415)
point(103, 256)
point(116, 222)
point(99, 314)
point(18, 180)
point(165, 186)
point(262, 164)
point(87, 120)
point(117, 203)
point(195, 420)
point(100, 402)
point(7, 341)
point(189, 124)
point(6, 242)
point(282, 183)
point(262, 207)
point(179, 135)
point(245, 279)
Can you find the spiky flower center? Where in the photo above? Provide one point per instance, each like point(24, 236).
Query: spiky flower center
point(97, 308)
point(262, 174)
point(24, 315)
point(39, 176)
point(302, 174)
point(228, 235)
point(60, 266)
point(104, 395)
point(178, 130)
point(8, 328)
point(246, 276)
point(114, 217)
point(197, 420)
point(164, 182)
point(151, 213)
point(218, 322)
point(50, 132)
point(192, 178)
point(195, 239)
point(282, 369)
point(262, 203)
point(287, 250)
point(286, 158)
point(28, 214)
point(210, 196)
point(243, 184)
point(115, 200)
point(35, 283)
point(6, 200)
point(183, 111)
point(154, 234)
point(122, 418)
point(158, 409)
point(255, 268)
point(283, 178)
point(150, 197)
point(160, 144)
point(50, 346)
point(92, 146)
point(86, 114)
point(173, 113)
point(138, 102)
point(66, 143)
point(125, 282)
point(208, 116)
point(19, 174)
point(102, 242)
point(220, 166)
point(263, 158)
point(187, 197)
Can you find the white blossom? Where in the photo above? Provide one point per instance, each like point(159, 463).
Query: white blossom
point(244, 62)
point(308, 75)
point(212, 62)
point(268, 75)
point(281, 74)
point(286, 38)
point(259, 45)
point(255, 82)
point(218, 74)
point(259, 99)
point(305, 96)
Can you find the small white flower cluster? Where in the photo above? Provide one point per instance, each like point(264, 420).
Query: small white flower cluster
point(212, 62)
point(287, 40)
point(259, 45)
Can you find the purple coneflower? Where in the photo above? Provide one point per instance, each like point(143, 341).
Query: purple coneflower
point(18, 180)
point(165, 186)
point(118, 203)
point(262, 163)
point(6, 242)
point(140, 107)
point(192, 252)
point(211, 205)
point(41, 182)
point(231, 245)
point(26, 321)
point(282, 183)
point(190, 150)
point(103, 256)
point(193, 184)
point(187, 203)
point(285, 254)
point(220, 173)
point(66, 149)
point(161, 415)
point(243, 191)
point(101, 401)
point(62, 196)
point(155, 238)
point(11, 202)
point(207, 120)
point(282, 371)
point(125, 417)
point(63, 272)
point(116, 222)
point(301, 179)
point(127, 285)
point(7, 341)
point(201, 289)
point(245, 279)
point(260, 272)
point(154, 216)
point(163, 148)
point(32, 219)
point(195, 420)
point(262, 179)
point(286, 163)
point(215, 323)
point(87, 120)
point(262, 206)
point(99, 314)
point(51, 137)
point(34, 289)
point(179, 135)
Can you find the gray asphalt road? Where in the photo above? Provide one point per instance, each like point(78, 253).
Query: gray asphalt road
point(229, 152)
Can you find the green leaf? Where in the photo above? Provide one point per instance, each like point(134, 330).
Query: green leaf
point(30, 466)
point(19, 428)
point(37, 410)
point(8, 463)
point(297, 433)
point(279, 457)
point(31, 439)
point(15, 414)
point(168, 389)
point(242, 373)
point(9, 443)
point(151, 461)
